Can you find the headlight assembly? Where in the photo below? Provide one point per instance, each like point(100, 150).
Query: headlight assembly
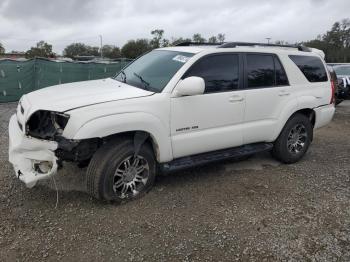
point(46, 124)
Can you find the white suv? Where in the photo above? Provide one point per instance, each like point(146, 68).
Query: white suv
point(172, 108)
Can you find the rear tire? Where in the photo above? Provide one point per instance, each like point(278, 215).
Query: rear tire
point(294, 139)
point(115, 174)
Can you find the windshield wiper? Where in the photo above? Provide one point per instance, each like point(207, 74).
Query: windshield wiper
point(145, 83)
point(122, 79)
point(124, 76)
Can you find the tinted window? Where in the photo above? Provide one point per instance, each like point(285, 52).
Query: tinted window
point(260, 70)
point(220, 72)
point(281, 77)
point(311, 66)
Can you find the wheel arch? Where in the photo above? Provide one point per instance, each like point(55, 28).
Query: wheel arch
point(139, 137)
point(308, 112)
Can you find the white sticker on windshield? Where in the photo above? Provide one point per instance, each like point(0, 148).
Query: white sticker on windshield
point(181, 58)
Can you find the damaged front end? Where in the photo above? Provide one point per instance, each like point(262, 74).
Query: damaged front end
point(33, 159)
point(37, 147)
point(46, 125)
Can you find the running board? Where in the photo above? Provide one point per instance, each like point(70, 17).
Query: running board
point(205, 158)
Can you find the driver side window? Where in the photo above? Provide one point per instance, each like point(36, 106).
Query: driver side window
point(220, 72)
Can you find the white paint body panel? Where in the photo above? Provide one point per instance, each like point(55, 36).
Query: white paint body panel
point(179, 126)
point(213, 121)
point(64, 97)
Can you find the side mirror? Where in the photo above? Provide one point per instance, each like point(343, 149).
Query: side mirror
point(190, 86)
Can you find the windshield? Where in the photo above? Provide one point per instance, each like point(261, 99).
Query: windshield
point(153, 70)
point(342, 70)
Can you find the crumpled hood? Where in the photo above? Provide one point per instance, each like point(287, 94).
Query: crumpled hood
point(65, 97)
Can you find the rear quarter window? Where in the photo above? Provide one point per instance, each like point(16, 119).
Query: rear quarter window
point(311, 66)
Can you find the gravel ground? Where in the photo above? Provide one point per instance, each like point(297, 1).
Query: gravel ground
point(256, 210)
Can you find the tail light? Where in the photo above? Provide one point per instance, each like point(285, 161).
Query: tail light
point(333, 92)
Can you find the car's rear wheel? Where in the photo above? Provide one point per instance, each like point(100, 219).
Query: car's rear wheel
point(115, 173)
point(294, 140)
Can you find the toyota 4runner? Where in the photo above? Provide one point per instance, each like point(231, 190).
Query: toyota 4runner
point(172, 108)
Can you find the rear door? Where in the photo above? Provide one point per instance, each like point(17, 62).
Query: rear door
point(267, 91)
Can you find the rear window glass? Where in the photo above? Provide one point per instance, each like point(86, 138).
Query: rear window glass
point(311, 66)
point(260, 70)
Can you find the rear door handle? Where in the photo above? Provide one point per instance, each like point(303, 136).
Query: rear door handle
point(283, 93)
point(236, 98)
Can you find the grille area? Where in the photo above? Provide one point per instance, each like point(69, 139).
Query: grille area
point(20, 114)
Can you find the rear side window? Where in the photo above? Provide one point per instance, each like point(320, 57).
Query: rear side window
point(265, 70)
point(311, 66)
point(260, 70)
point(220, 72)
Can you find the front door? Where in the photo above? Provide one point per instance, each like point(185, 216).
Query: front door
point(210, 121)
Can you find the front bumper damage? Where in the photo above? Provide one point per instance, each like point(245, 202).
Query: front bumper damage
point(33, 159)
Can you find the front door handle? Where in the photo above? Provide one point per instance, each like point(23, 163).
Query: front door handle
point(283, 93)
point(236, 98)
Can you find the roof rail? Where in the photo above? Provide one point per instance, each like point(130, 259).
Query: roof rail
point(235, 44)
point(197, 43)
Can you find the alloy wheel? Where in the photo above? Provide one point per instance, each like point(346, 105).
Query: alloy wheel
point(131, 176)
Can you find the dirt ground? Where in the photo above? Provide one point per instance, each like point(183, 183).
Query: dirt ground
point(256, 210)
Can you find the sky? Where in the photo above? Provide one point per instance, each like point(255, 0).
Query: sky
point(25, 22)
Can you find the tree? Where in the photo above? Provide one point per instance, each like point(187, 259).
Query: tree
point(93, 50)
point(2, 49)
point(80, 49)
point(221, 38)
point(176, 41)
point(75, 49)
point(135, 48)
point(197, 38)
point(335, 43)
point(212, 39)
point(157, 37)
point(111, 51)
point(158, 40)
point(165, 42)
point(42, 49)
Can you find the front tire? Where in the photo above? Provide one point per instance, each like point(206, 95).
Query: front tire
point(294, 140)
point(116, 174)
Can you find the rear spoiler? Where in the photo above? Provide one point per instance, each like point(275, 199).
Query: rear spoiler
point(319, 52)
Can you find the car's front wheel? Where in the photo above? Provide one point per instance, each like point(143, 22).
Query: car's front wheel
point(116, 173)
point(294, 140)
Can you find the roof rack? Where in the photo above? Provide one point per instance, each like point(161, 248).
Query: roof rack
point(236, 44)
point(197, 44)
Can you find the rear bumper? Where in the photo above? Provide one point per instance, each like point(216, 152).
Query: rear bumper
point(324, 115)
point(27, 152)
